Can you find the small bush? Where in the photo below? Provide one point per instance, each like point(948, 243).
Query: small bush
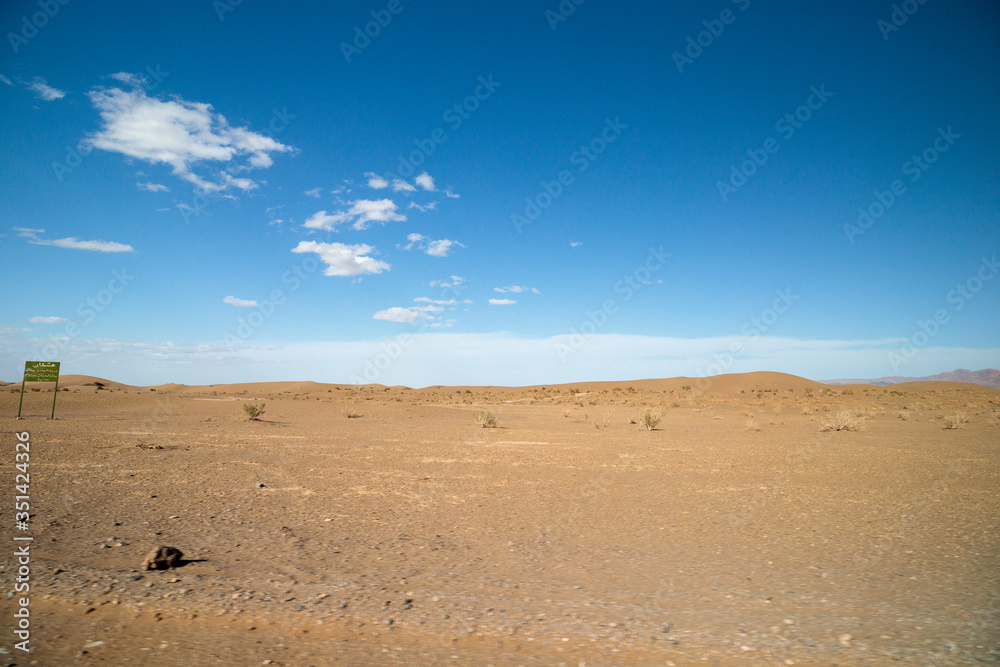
point(353, 415)
point(954, 421)
point(487, 419)
point(752, 425)
point(842, 421)
point(686, 387)
point(253, 410)
point(650, 419)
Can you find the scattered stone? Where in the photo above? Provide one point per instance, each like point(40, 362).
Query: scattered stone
point(259, 485)
point(845, 639)
point(135, 577)
point(162, 558)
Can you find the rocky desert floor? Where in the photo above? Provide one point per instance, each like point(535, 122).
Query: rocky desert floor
point(374, 525)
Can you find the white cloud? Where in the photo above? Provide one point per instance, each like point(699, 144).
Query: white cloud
point(575, 244)
point(44, 91)
point(323, 220)
point(315, 192)
point(397, 314)
point(6, 80)
point(10, 331)
point(439, 248)
point(361, 213)
point(242, 303)
point(180, 134)
point(376, 182)
point(516, 289)
point(149, 186)
point(342, 259)
point(129, 79)
point(455, 282)
point(48, 320)
point(423, 209)
point(439, 302)
point(425, 181)
point(399, 185)
point(502, 302)
point(451, 194)
point(73, 243)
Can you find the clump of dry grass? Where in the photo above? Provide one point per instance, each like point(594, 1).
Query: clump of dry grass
point(954, 421)
point(752, 425)
point(649, 419)
point(253, 410)
point(842, 421)
point(487, 419)
point(807, 410)
point(350, 414)
point(903, 414)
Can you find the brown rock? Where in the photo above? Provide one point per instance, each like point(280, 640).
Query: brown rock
point(162, 558)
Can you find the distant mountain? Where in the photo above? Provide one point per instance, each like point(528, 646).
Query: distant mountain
point(989, 377)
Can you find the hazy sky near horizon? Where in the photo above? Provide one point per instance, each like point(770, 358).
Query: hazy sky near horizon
point(413, 192)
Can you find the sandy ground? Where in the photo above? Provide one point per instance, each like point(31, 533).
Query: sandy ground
point(384, 526)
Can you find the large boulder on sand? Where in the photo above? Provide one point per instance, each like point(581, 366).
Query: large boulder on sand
point(162, 558)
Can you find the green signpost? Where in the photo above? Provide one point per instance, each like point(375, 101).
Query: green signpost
point(40, 371)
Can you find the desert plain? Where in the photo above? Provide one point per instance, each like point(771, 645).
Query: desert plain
point(380, 525)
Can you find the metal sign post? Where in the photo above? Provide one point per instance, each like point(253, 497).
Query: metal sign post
point(40, 371)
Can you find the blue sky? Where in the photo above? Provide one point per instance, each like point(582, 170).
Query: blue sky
point(498, 193)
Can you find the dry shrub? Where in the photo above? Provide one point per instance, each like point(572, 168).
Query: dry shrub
point(253, 410)
point(954, 421)
point(487, 419)
point(752, 425)
point(842, 421)
point(650, 419)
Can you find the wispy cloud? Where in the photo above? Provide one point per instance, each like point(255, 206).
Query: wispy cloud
point(180, 134)
point(502, 302)
point(361, 213)
point(242, 303)
point(376, 182)
point(398, 314)
point(438, 248)
point(48, 320)
point(72, 243)
point(149, 186)
point(453, 281)
point(44, 91)
point(575, 244)
point(315, 192)
point(6, 80)
point(516, 289)
point(342, 259)
point(399, 185)
point(425, 208)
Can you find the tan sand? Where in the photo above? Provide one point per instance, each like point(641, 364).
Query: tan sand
point(392, 529)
